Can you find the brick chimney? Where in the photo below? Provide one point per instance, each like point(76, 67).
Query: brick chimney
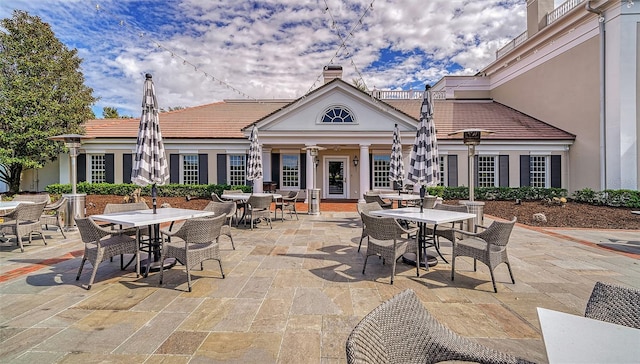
point(537, 11)
point(330, 72)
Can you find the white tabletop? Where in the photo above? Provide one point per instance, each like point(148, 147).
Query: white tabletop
point(245, 196)
point(429, 216)
point(8, 205)
point(146, 217)
point(577, 339)
point(400, 197)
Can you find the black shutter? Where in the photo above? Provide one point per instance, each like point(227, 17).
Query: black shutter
point(109, 176)
point(127, 166)
point(370, 173)
point(452, 170)
point(222, 169)
point(525, 177)
point(556, 171)
point(246, 168)
point(203, 169)
point(174, 168)
point(303, 168)
point(503, 169)
point(275, 169)
point(475, 170)
point(81, 167)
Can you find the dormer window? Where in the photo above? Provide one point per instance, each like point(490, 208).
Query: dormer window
point(337, 114)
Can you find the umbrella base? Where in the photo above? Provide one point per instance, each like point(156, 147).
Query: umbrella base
point(153, 266)
point(410, 258)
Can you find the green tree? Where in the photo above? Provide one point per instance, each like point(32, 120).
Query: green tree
point(110, 113)
point(42, 93)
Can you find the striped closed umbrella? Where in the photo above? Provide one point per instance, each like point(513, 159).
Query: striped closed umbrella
point(425, 169)
point(396, 163)
point(254, 163)
point(150, 165)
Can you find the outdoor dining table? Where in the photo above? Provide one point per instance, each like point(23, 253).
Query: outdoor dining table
point(402, 198)
point(10, 205)
point(146, 217)
point(576, 339)
point(243, 197)
point(427, 216)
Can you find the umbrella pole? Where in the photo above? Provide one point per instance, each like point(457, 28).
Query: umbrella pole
point(154, 195)
point(423, 192)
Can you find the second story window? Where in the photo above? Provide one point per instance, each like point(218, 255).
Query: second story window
point(337, 114)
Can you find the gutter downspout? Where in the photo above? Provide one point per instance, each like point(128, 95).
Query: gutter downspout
point(603, 118)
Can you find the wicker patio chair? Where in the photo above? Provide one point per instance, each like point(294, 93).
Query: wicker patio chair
point(198, 242)
point(24, 220)
point(615, 304)
point(401, 330)
point(376, 198)
point(216, 198)
point(385, 238)
point(365, 207)
point(52, 215)
point(288, 203)
point(447, 231)
point(227, 208)
point(240, 206)
point(33, 197)
point(258, 207)
point(101, 244)
point(488, 246)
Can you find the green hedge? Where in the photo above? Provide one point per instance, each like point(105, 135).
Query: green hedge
point(617, 198)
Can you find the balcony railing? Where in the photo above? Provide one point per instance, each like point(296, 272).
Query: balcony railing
point(556, 14)
point(406, 94)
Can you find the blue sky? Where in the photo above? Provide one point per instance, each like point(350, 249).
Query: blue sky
point(203, 51)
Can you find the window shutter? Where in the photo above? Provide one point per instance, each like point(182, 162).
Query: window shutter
point(503, 166)
point(203, 169)
point(222, 169)
point(174, 168)
point(127, 166)
point(275, 168)
point(525, 177)
point(452, 170)
point(81, 167)
point(556, 171)
point(109, 176)
point(303, 169)
point(475, 170)
point(370, 173)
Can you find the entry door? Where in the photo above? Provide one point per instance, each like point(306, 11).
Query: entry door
point(335, 180)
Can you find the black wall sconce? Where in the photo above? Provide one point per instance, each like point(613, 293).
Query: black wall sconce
point(355, 161)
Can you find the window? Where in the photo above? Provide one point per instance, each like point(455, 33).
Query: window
point(538, 176)
point(380, 171)
point(190, 169)
point(97, 168)
point(237, 170)
point(443, 176)
point(487, 171)
point(337, 114)
point(290, 171)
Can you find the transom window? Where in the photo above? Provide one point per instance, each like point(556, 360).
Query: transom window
point(380, 171)
point(538, 171)
point(487, 171)
point(190, 169)
point(98, 168)
point(237, 170)
point(290, 171)
point(337, 114)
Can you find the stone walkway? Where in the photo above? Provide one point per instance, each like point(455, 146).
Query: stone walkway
point(291, 294)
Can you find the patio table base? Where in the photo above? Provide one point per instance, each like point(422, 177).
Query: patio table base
point(410, 258)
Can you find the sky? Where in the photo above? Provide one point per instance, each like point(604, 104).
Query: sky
point(204, 51)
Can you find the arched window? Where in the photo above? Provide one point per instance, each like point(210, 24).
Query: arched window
point(337, 114)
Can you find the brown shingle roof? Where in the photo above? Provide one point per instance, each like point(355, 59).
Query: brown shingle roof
point(227, 119)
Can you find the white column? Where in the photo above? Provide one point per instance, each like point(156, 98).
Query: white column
point(310, 176)
point(364, 171)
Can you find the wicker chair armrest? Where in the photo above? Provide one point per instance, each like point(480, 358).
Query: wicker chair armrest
point(11, 215)
point(409, 230)
point(464, 232)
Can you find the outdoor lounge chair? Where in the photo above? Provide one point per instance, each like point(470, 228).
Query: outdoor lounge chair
point(198, 241)
point(385, 238)
point(101, 244)
point(401, 330)
point(615, 304)
point(488, 246)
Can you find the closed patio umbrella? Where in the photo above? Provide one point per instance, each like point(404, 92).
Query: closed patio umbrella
point(254, 163)
point(425, 168)
point(396, 163)
point(150, 163)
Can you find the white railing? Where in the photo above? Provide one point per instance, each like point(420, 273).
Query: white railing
point(406, 94)
point(511, 45)
point(564, 8)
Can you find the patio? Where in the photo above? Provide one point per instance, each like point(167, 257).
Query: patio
point(291, 294)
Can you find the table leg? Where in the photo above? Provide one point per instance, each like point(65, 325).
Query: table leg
point(426, 260)
point(152, 263)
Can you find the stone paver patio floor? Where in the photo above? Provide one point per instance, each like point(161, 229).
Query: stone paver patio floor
point(292, 294)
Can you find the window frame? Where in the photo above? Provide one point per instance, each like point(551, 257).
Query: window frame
point(183, 172)
point(343, 109)
point(283, 174)
point(383, 182)
point(241, 171)
point(495, 172)
point(547, 170)
point(92, 171)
